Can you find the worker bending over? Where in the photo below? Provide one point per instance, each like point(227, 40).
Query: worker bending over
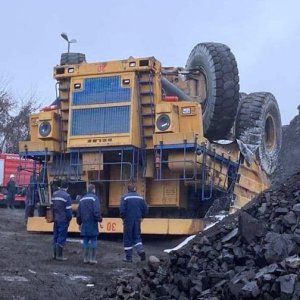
point(133, 209)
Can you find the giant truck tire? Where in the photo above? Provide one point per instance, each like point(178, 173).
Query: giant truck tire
point(258, 124)
point(217, 66)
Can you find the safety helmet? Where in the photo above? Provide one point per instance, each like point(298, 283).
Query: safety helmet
point(12, 176)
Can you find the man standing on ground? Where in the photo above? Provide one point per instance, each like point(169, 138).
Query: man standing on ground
point(133, 209)
point(62, 213)
point(11, 192)
point(88, 216)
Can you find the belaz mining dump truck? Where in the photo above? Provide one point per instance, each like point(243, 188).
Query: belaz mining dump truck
point(192, 143)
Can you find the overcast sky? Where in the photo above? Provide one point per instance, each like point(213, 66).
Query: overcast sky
point(263, 35)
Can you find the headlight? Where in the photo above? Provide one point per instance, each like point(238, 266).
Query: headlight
point(163, 122)
point(45, 128)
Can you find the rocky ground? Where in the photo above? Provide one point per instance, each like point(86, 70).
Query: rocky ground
point(250, 255)
point(27, 271)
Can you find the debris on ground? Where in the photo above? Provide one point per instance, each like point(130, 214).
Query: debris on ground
point(251, 254)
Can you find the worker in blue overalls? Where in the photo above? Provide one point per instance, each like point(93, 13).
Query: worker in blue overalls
point(62, 213)
point(133, 209)
point(88, 216)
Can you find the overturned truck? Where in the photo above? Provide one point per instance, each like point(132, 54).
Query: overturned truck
point(190, 140)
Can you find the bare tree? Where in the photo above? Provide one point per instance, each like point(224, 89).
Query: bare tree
point(14, 120)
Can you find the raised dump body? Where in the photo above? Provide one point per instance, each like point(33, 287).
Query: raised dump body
point(121, 121)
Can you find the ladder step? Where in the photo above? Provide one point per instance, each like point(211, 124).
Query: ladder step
point(148, 93)
point(150, 82)
point(148, 114)
point(147, 104)
point(148, 126)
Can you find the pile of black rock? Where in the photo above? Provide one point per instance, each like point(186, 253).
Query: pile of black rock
point(288, 161)
point(252, 254)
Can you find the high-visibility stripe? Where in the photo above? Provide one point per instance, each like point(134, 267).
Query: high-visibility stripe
point(136, 197)
point(87, 198)
point(69, 207)
point(127, 248)
point(138, 244)
point(59, 199)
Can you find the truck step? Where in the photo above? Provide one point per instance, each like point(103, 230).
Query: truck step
point(148, 93)
point(148, 114)
point(145, 82)
point(148, 103)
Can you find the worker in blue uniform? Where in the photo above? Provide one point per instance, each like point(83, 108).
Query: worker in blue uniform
point(88, 217)
point(133, 209)
point(62, 213)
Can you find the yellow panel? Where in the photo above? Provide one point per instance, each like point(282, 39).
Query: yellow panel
point(115, 225)
point(39, 146)
point(92, 161)
point(185, 226)
point(47, 115)
point(164, 193)
point(118, 188)
point(164, 107)
point(103, 140)
point(175, 138)
point(110, 67)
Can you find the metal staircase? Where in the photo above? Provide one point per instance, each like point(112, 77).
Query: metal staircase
point(64, 96)
point(146, 107)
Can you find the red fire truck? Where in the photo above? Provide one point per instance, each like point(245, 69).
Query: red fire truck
point(21, 168)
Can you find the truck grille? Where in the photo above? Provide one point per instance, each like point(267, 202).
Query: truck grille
point(102, 120)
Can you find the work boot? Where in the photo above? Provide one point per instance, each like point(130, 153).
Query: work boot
point(142, 255)
point(54, 252)
point(86, 255)
point(128, 256)
point(93, 260)
point(127, 259)
point(59, 253)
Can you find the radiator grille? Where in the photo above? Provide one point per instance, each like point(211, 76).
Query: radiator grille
point(102, 90)
point(102, 120)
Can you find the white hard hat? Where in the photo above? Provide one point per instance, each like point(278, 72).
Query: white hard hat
point(11, 176)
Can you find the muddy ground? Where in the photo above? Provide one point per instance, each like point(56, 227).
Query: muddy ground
point(27, 271)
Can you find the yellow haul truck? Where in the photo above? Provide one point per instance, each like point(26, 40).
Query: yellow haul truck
point(192, 143)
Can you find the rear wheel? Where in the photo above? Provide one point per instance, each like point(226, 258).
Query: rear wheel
point(214, 81)
point(258, 125)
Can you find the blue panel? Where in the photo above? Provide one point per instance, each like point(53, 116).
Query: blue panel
point(102, 90)
point(101, 120)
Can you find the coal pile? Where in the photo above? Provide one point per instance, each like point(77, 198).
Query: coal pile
point(288, 162)
point(250, 255)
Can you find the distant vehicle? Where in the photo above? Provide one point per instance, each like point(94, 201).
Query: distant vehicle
point(21, 168)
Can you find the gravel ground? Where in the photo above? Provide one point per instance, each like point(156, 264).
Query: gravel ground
point(28, 272)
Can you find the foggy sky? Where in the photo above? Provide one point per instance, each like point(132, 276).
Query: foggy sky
point(263, 35)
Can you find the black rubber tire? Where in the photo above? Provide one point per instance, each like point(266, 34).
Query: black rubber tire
point(219, 66)
point(72, 58)
point(259, 123)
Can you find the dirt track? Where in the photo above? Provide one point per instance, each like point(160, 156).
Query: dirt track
point(28, 272)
